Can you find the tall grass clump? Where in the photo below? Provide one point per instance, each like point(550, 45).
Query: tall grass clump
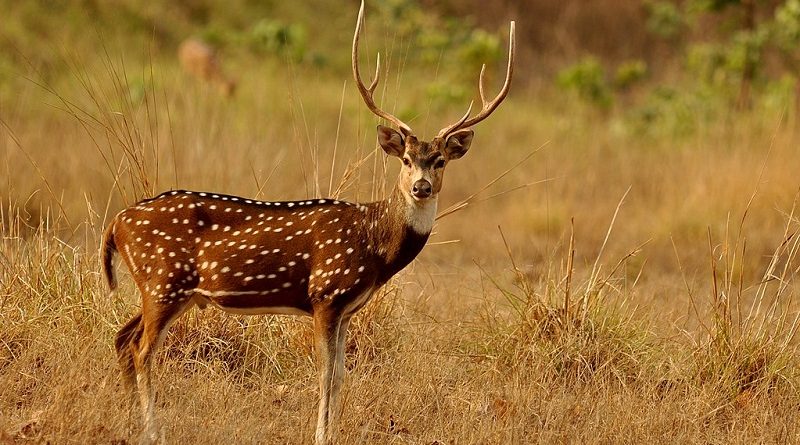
point(571, 325)
point(52, 318)
point(748, 347)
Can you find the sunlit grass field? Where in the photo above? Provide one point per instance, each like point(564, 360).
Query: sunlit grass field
point(587, 282)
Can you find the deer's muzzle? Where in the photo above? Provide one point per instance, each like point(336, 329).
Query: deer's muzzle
point(422, 189)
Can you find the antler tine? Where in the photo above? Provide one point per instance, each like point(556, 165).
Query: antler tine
point(447, 130)
point(377, 76)
point(488, 107)
point(480, 86)
point(367, 93)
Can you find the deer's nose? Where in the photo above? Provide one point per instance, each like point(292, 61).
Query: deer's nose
point(421, 189)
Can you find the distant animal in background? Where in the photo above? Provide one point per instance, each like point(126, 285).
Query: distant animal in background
point(200, 60)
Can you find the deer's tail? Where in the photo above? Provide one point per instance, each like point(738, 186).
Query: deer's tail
point(107, 250)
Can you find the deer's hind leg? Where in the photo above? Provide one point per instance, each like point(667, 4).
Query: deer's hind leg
point(137, 341)
point(128, 335)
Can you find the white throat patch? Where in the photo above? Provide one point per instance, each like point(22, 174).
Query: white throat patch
point(420, 216)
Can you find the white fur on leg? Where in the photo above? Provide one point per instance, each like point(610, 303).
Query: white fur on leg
point(150, 432)
point(326, 356)
point(331, 377)
point(334, 409)
point(320, 436)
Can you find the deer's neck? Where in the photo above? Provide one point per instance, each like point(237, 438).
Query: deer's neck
point(398, 228)
point(418, 217)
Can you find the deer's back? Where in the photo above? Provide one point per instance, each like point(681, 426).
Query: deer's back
point(225, 247)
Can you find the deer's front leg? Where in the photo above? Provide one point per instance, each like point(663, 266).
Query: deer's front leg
point(330, 333)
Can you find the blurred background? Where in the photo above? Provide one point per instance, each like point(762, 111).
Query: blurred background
point(643, 56)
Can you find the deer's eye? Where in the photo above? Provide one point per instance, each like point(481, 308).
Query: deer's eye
point(406, 162)
point(439, 164)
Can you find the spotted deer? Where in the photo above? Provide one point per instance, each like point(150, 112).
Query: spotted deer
point(322, 258)
point(200, 60)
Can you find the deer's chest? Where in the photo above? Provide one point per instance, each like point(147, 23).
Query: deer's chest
point(402, 253)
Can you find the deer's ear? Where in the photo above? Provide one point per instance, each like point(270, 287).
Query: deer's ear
point(391, 141)
point(458, 143)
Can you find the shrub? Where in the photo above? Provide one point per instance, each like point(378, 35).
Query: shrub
point(587, 79)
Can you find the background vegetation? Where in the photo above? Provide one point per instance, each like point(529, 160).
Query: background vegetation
point(624, 269)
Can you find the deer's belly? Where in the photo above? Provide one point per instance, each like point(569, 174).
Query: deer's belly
point(274, 310)
point(255, 300)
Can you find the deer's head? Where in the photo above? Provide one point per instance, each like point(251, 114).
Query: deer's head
point(424, 162)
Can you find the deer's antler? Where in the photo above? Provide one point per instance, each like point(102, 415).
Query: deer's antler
point(488, 107)
point(367, 92)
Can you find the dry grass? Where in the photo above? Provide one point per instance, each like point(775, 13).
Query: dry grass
point(642, 290)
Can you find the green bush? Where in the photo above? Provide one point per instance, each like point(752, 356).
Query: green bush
point(786, 28)
point(630, 73)
point(276, 37)
point(674, 113)
point(587, 79)
point(480, 48)
point(664, 19)
point(744, 49)
point(443, 92)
